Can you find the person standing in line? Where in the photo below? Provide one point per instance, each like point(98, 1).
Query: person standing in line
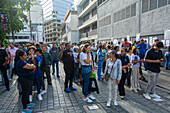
point(3, 60)
point(108, 51)
point(135, 70)
point(87, 68)
point(114, 68)
point(55, 58)
point(76, 66)
point(126, 45)
point(153, 58)
point(148, 46)
point(94, 52)
point(167, 58)
point(100, 60)
point(25, 78)
point(129, 54)
point(125, 64)
point(48, 62)
point(68, 59)
point(104, 52)
point(12, 51)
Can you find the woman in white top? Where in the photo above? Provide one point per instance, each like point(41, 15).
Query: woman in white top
point(135, 70)
point(129, 54)
point(114, 68)
point(87, 68)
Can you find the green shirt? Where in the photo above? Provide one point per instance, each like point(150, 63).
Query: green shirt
point(48, 59)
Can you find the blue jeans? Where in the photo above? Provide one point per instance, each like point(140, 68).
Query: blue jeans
point(38, 81)
point(167, 63)
point(10, 71)
point(142, 57)
point(99, 69)
point(76, 72)
point(87, 83)
point(53, 65)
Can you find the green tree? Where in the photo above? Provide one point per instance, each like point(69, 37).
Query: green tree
point(17, 7)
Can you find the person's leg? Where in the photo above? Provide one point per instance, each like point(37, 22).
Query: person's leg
point(47, 70)
point(104, 64)
point(169, 61)
point(86, 84)
point(3, 81)
point(121, 85)
point(156, 76)
point(129, 77)
point(53, 66)
point(166, 63)
point(71, 78)
point(4, 73)
point(133, 78)
point(115, 87)
point(150, 82)
point(26, 87)
point(57, 68)
point(99, 70)
point(10, 71)
point(66, 77)
point(110, 87)
point(137, 79)
point(38, 80)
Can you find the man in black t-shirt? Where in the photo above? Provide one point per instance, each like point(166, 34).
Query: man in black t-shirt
point(153, 58)
point(3, 59)
point(68, 60)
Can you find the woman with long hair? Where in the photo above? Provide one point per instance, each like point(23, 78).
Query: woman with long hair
point(135, 70)
point(25, 78)
point(87, 68)
point(114, 69)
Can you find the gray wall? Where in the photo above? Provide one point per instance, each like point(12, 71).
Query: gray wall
point(149, 23)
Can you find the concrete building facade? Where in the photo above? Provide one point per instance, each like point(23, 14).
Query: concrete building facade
point(119, 19)
point(53, 14)
point(87, 20)
point(71, 21)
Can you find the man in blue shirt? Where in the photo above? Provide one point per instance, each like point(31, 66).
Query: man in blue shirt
point(142, 50)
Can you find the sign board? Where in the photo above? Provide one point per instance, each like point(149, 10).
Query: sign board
point(138, 37)
point(167, 34)
point(128, 38)
point(4, 21)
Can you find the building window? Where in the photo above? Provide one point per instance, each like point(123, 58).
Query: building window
point(162, 3)
point(153, 4)
point(94, 26)
point(133, 10)
point(94, 11)
point(128, 12)
point(86, 4)
point(169, 1)
point(145, 6)
point(86, 17)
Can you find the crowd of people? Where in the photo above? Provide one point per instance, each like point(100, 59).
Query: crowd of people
point(116, 64)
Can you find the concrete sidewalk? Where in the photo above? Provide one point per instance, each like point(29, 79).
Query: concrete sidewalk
point(57, 101)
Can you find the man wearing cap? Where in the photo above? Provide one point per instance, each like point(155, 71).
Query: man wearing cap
point(142, 50)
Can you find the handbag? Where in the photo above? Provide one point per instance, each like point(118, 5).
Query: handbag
point(107, 76)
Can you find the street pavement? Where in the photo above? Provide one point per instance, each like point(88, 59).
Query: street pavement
point(57, 101)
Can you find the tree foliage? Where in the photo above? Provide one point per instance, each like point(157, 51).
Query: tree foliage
point(17, 7)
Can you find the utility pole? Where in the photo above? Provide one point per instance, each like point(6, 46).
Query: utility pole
point(10, 14)
point(30, 25)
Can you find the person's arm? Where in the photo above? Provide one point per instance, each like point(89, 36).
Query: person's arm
point(29, 66)
point(119, 72)
point(87, 61)
point(106, 68)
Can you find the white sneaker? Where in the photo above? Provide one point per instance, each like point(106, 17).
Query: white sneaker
point(155, 95)
point(43, 92)
point(30, 98)
point(92, 97)
point(115, 103)
point(122, 97)
point(135, 91)
point(147, 96)
point(108, 103)
point(40, 97)
point(88, 100)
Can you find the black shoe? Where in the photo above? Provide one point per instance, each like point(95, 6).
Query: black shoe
point(20, 93)
point(143, 79)
point(49, 83)
point(58, 76)
point(52, 73)
point(8, 89)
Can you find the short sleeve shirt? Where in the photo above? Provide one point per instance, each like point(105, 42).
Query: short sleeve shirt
point(152, 55)
point(68, 58)
point(135, 58)
point(125, 60)
point(83, 56)
point(142, 48)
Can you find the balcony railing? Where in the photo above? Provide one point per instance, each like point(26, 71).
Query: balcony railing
point(88, 34)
